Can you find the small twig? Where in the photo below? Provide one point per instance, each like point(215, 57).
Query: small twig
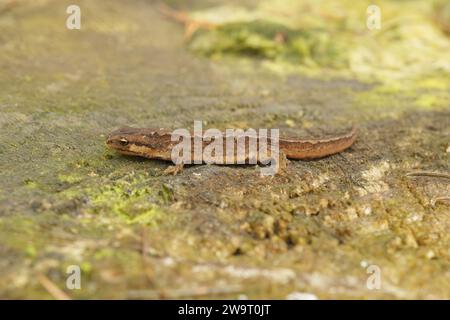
point(52, 288)
point(432, 175)
point(428, 174)
point(440, 199)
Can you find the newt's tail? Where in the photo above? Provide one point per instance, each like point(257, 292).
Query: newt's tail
point(317, 148)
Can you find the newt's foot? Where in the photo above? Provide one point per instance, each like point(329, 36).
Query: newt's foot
point(174, 170)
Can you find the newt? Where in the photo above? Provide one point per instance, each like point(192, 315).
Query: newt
point(158, 144)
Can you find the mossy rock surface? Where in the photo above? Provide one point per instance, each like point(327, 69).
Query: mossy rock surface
point(211, 231)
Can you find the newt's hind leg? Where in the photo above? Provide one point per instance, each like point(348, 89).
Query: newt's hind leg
point(174, 170)
point(282, 163)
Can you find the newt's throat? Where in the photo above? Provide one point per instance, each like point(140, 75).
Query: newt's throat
point(142, 150)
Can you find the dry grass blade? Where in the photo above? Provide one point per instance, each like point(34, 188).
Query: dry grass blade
point(428, 174)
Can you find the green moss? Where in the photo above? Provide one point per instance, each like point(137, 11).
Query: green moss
point(104, 253)
point(86, 267)
point(333, 36)
point(166, 193)
point(394, 98)
point(31, 251)
point(70, 178)
point(437, 82)
point(133, 198)
point(433, 101)
point(264, 39)
point(30, 183)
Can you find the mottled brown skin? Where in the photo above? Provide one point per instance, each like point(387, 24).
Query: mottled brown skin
point(157, 144)
point(142, 142)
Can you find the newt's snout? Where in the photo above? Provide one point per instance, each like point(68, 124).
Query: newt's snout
point(117, 142)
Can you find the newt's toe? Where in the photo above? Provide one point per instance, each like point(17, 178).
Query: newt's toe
point(174, 170)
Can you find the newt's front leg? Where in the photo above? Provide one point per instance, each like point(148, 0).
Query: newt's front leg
point(174, 170)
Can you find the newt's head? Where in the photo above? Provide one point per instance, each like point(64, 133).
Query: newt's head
point(149, 143)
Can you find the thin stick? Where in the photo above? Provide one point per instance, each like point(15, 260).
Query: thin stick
point(439, 199)
point(52, 288)
point(428, 174)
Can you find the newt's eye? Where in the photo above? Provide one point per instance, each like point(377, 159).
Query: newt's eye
point(123, 142)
